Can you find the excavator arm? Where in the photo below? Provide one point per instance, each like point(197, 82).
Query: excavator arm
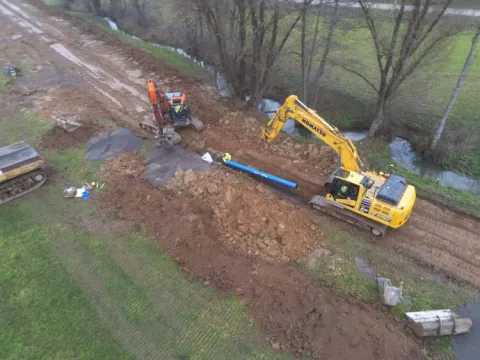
point(155, 101)
point(293, 108)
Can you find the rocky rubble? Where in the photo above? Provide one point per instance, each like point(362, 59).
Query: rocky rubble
point(132, 164)
point(301, 152)
point(251, 218)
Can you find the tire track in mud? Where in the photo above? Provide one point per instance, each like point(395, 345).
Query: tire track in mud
point(127, 98)
point(443, 239)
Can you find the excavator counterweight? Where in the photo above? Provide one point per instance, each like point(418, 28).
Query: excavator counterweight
point(375, 201)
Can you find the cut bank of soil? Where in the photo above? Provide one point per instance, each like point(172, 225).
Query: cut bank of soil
point(60, 139)
point(295, 310)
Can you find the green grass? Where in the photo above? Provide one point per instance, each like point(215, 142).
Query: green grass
point(54, 3)
point(128, 297)
point(180, 63)
point(22, 126)
point(44, 313)
point(5, 83)
point(339, 270)
point(419, 102)
point(377, 152)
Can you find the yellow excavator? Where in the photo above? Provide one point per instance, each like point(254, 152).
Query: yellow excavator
point(21, 171)
point(372, 200)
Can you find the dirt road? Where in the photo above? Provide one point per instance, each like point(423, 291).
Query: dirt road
point(114, 76)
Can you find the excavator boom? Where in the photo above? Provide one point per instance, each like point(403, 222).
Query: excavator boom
point(371, 200)
point(293, 108)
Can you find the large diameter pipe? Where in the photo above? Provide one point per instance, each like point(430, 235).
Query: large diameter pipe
point(265, 175)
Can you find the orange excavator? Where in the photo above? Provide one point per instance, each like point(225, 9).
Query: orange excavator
point(170, 111)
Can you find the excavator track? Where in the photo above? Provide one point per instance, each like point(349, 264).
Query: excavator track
point(21, 185)
point(331, 208)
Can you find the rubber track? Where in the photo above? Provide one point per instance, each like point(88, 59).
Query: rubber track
point(20, 179)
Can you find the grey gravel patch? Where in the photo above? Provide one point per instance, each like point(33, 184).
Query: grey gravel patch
point(112, 143)
point(162, 164)
point(46, 78)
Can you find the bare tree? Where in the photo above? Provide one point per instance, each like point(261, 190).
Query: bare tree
point(67, 4)
point(456, 91)
point(141, 9)
point(311, 77)
point(248, 34)
point(411, 39)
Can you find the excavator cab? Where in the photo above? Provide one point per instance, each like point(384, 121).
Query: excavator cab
point(345, 187)
point(179, 111)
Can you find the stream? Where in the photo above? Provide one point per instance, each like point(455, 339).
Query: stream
point(401, 150)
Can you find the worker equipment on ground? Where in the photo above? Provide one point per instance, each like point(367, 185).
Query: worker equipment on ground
point(372, 200)
point(20, 171)
point(170, 111)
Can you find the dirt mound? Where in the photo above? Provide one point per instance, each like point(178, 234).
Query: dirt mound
point(125, 164)
point(303, 152)
point(196, 217)
point(251, 218)
point(60, 139)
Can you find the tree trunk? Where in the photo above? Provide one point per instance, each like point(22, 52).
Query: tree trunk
point(242, 29)
point(97, 7)
point(66, 4)
point(326, 50)
point(379, 119)
point(456, 91)
point(303, 55)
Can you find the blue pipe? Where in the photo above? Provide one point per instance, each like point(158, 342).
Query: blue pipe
point(271, 177)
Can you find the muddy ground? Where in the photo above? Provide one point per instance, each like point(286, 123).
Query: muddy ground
point(236, 236)
point(93, 76)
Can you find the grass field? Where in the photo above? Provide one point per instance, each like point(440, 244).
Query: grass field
point(419, 103)
point(87, 293)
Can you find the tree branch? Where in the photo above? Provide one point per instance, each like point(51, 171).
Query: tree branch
point(359, 75)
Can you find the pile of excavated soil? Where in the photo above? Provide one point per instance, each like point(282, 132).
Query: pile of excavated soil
point(124, 164)
point(237, 125)
point(195, 218)
point(68, 102)
point(60, 139)
point(250, 218)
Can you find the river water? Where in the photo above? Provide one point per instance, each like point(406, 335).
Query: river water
point(401, 150)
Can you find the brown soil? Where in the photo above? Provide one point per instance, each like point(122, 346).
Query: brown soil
point(251, 217)
point(208, 222)
point(73, 103)
point(60, 139)
point(124, 164)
